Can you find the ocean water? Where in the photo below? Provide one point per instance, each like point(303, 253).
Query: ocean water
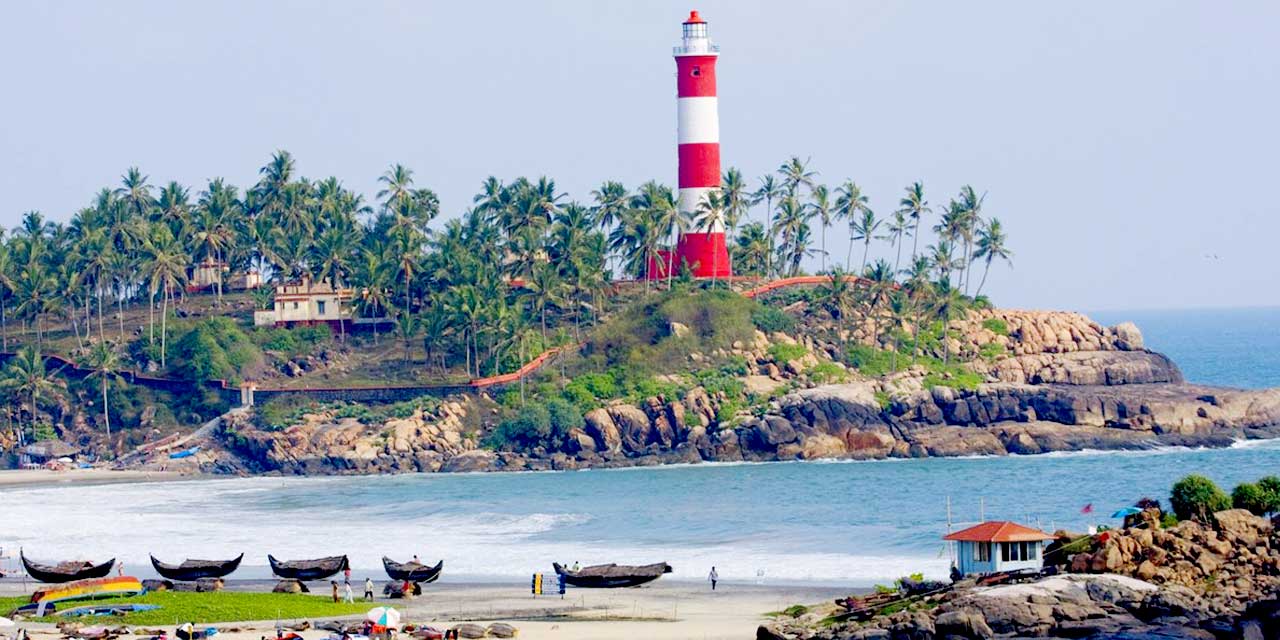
point(850, 523)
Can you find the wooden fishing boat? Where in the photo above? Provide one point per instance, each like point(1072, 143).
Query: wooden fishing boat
point(411, 571)
point(65, 571)
point(192, 570)
point(612, 576)
point(317, 569)
point(91, 588)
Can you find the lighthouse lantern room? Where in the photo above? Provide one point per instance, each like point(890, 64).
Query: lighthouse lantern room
point(701, 247)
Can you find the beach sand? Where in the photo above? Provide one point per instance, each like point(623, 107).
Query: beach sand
point(13, 478)
point(666, 609)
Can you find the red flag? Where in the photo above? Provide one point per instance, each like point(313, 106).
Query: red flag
point(1088, 508)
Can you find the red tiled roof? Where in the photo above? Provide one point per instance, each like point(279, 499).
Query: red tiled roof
point(998, 531)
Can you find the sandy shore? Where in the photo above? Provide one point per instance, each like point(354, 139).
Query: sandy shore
point(39, 477)
point(667, 609)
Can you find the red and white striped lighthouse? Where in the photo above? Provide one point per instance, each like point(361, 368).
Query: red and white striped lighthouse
point(698, 135)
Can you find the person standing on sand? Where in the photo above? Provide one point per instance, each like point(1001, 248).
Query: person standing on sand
point(334, 583)
point(713, 577)
point(368, 589)
point(346, 593)
point(346, 574)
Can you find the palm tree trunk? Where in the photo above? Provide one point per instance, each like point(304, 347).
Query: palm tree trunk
point(120, 307)
point(848, 256)
point(824, 245)
point(977, 293)
point(4, 324)
point(106, 412)
point(164, 324)
point(897, 262)
point(866, 247)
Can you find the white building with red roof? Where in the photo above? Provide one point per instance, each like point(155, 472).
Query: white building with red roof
point(997, 546)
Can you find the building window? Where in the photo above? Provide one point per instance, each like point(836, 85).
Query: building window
point(295, 305)
point(1018, 551)
point(982, 551)
point(320, 306)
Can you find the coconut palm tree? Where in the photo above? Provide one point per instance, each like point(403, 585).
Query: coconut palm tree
point(971, 204)
point(942, 258)
point(991, 247)
point(879, 283)
point(546, 291)
point(792, 225)
point(709, 218)
point(105, 365)
point(899, 311)
point(823, 211)
point(407, 326)
point(947, 302)
point(837, 294)
point(166, 270)
point(737, 200)
point(898, 227)
point(919, 290)
point(915, 207)
point(27, 375)
point(135, 193)
point(864, 228)
point(850, 203)
point(795, 173)
point(751, 250)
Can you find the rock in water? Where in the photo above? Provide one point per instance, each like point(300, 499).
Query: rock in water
point(289, 586)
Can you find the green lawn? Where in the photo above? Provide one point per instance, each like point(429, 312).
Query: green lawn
point(223, 606)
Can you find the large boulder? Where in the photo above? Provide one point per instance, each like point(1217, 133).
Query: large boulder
point(601, 427)
point(963, 623)
point(633, 425)
point(470, 461)
point(1128, 336)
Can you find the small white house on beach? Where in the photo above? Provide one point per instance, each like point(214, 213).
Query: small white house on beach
point(996, 546)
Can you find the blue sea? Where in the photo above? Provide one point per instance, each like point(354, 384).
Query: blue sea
point(846, 523)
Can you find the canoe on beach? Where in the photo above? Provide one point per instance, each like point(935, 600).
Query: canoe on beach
point(317, 569)
point(65, 571)
point(92, 588)
point(192, 570)
point(612, 576)
point(412, 571)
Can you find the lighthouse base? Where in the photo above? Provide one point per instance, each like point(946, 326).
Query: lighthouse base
point(706, 255)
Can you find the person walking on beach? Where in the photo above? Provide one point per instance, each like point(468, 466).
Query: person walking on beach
point(346, 593)
point(334, 583)
point(368, 589)
point(346, 574)
point(714, 578)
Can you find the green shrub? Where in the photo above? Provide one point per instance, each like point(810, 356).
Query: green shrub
point(276, 339)
point(736, 366)
point(795, 610)
point(996, 326)
point(868, 360)
point(959, 378)
point(1271, 485)
point(770, 319)
point(214, 348)
point(1196, 497)
point(1248, 495)
point(827, 373)
point(784, 353)
point(992, 351)
point(564, 416)
point(530, 427)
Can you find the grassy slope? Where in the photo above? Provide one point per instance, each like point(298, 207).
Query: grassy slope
point(207, 608)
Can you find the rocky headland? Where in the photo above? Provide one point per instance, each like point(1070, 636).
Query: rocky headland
point(1192, 580)
point(1048, 381)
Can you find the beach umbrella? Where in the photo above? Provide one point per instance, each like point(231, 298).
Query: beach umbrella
point(384, 616)
point(1126, 512)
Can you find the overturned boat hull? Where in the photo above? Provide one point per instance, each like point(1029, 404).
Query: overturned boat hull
point(65, 571)
point(412, 571)
point(612, 576)
point(192, 570)
point(305, 570)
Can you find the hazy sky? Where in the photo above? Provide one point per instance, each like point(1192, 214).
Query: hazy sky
point(1129, 147)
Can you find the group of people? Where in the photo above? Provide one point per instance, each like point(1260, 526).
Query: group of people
point(349, 596)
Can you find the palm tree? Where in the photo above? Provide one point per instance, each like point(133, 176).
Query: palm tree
point(407, 326)
point(27, 375)
point(899, 311)
point(880, 281)
point(947, 301)
point(751, 250)
point(796, 173)
point(864, 228)
point(914, 206)
point(898, 227)
point(837, 294)
point(546, 290)
point(942, 257)
point(104, 363)
point(919, 290)
point(710, 218)
point(991, 246)
point(971, 204)
point(822, 209)
point(6, 290)
point(135, 193)
point(165, 270)
point(659, 206)
point(793, 226)
point(769, 190)
point(850, 203)
point(736, 198)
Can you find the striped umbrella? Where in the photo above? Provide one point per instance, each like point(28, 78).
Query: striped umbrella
point(383, 616)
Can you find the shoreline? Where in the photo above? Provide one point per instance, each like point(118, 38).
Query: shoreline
point(41, 478)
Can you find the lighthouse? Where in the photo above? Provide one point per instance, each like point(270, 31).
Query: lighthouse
point(698, 139)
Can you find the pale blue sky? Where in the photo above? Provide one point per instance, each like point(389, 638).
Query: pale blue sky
point(1121, 142)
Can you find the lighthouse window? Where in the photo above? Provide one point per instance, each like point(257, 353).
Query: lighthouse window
point(697, 71)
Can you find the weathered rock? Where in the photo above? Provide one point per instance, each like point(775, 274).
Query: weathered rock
point(963, 623)
point(601, 427)
point(470, 461)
